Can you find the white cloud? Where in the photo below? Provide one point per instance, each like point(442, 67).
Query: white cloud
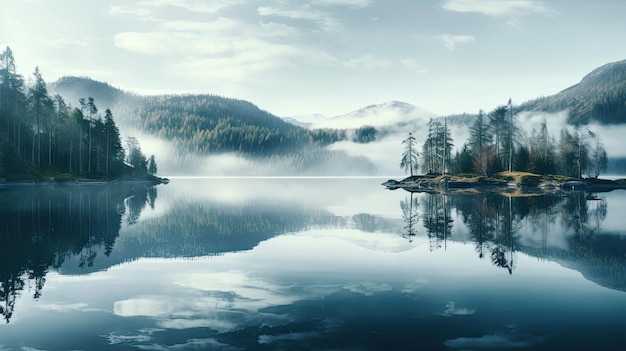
point(66, 43)
point(414, 66)
point(326, 22)
point(499, 8)
point(193, 5)
point(144, 10)
point(367, 62)
point(450, 40)
point(368, 288)
point(223, 48)
point(452, 310)
point(218, 25)
point(350, 3)
point(491, 341)
point(134, 11)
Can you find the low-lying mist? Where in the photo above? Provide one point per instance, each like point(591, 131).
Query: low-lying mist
point(380, 157)
point(172, 161)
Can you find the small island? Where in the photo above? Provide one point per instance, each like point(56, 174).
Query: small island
point(500, 154)
point(513, 181)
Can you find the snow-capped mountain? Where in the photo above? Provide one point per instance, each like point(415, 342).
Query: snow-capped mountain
point(388, 114)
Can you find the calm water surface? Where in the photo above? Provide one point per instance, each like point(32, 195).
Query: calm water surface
point(309, 264)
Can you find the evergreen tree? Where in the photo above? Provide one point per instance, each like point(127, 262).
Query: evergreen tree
point(135, 158)
point(437, 148)
point(410, 155)
point(89, 107)
point(41, 105)
point(573, 152)
point(113, 146)
point(152, 166)
point(497, 124)
point(480, 143)
point(12, 102)
point(598, 160)
point(542, 155)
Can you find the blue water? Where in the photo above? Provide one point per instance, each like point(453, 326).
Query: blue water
point(309, 264)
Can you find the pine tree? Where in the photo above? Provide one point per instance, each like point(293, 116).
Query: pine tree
point(135, 158)
point(410, 155)
point(480, 143)
point(152, 166)
point(42, 105)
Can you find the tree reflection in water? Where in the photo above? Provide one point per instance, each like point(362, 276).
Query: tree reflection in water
point(495, 220)
point(409, 208)
point(42, 227)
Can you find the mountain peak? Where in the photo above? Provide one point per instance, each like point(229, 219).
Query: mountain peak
point(607, 74)
point(600, 96)
point(73, 88)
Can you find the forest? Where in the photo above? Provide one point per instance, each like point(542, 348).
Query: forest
point(497, 142)
point(599, 97)
point(43, 137)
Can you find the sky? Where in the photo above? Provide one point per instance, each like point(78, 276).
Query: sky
point(300, 57)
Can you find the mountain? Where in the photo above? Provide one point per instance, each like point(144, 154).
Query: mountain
point(74, 88)
point(195, 126)
point(198, 123)
point(305, 121)
point(388, 114)
point(599, 97)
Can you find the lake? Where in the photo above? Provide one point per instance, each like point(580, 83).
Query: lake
point(309, 264)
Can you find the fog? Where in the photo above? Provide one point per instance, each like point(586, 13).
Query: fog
point(611, 136)
point(347, 158)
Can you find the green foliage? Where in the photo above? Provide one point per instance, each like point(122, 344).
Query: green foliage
point(40, 133)
point(364, 134)
point(600, 96)
point(135, 158)
point(152, 166)
point(437, 148)
point(409, 161)
point(207, 124)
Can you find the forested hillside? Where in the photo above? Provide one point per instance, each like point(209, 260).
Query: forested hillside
point(204, 123)
point(599, 97)
point(196, 126)
point(42, 136)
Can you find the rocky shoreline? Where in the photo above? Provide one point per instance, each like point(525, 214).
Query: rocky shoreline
point(503, 180)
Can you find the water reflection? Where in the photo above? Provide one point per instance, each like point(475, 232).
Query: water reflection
point(568, 224)
point(410, 216)
point(319, 264)
point(44, 227)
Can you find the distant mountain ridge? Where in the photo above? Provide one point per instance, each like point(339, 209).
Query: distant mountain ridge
point(74, 88)
point(386, 114)
point(599, 97)
point(195, 126)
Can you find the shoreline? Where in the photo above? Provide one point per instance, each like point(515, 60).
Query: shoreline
point(517, 181)
point(80, 182)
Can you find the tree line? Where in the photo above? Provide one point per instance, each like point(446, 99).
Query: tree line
point(42, 134)
point(497, 142)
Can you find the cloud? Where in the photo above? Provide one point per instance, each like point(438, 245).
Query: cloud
point(326, 22)
point(368, 288)
point(498, 8)
point(367, 62)
point(192, 5)
point(414, 66)
point(350, 3)
point(268, 339)
point(450, 40)
point(452, 310)
point(490, 341)
point(223, 48)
